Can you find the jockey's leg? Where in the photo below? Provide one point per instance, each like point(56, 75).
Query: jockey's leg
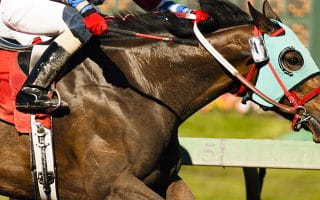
point(33, 96)
point(58, 20)
point(22, 38)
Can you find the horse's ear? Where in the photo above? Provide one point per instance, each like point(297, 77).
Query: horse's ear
point(268, 11)
point(264, 24)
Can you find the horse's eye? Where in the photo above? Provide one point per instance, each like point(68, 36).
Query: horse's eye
point(291, 61)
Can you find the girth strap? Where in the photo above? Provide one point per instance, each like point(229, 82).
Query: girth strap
point(43, 161)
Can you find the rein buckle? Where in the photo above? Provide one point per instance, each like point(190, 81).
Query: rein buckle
point(301, 119)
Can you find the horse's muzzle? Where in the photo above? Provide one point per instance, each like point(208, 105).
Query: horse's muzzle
point(314, 126)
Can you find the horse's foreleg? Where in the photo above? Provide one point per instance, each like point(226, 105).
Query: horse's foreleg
point(178, 190)
point(130, 188)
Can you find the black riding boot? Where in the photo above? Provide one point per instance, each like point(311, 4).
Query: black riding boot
point(33, 97)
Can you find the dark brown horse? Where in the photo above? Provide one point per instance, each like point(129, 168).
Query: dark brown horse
point(119, 140)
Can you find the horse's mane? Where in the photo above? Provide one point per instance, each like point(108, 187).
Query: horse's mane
point(222, 14)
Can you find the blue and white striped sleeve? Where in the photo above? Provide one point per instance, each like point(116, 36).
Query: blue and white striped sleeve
point(171, 6)
point(83, 6)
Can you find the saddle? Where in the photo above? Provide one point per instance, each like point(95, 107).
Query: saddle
point(15, 60)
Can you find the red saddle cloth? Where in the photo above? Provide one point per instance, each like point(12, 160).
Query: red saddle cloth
point(11, 80)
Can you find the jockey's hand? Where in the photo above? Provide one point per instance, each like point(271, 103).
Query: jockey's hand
point(95, 23)
point(200, 15)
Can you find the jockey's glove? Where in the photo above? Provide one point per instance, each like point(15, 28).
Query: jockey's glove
point(94, 22)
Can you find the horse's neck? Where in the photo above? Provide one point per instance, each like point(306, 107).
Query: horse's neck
point(184, 78)
point(214, 81)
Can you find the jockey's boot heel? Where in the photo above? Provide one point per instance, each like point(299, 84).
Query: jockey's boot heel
point(33, 97)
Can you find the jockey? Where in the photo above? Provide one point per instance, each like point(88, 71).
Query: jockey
point(72, 23)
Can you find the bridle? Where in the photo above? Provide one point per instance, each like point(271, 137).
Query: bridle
point(301, 117)
point(297, 105)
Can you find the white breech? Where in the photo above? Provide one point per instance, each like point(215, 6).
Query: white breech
point(26, 19)
point(22, 38)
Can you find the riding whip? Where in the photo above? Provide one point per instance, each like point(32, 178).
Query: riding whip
point(153, 37)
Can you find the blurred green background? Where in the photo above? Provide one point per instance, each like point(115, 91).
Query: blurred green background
point(218, 183)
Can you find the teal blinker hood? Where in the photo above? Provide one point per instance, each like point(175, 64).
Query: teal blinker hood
point(266, 82)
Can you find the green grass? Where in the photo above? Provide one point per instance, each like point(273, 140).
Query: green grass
point(209, 183)
point(222, 124)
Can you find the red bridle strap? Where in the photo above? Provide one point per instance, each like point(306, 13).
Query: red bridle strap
point(293, 97)
point(275, 74)
point(249, 77)
point(307, 98)
point(277, 32)
point(283, 87)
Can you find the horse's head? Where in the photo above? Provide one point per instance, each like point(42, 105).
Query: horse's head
point(148, 65)
point(293, 65)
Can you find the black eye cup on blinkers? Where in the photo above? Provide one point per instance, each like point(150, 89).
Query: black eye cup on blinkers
point(290, 60)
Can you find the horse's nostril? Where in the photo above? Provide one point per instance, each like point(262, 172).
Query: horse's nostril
point(316, 139)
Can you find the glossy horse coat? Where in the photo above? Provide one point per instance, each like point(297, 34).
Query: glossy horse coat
point(119, 140)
